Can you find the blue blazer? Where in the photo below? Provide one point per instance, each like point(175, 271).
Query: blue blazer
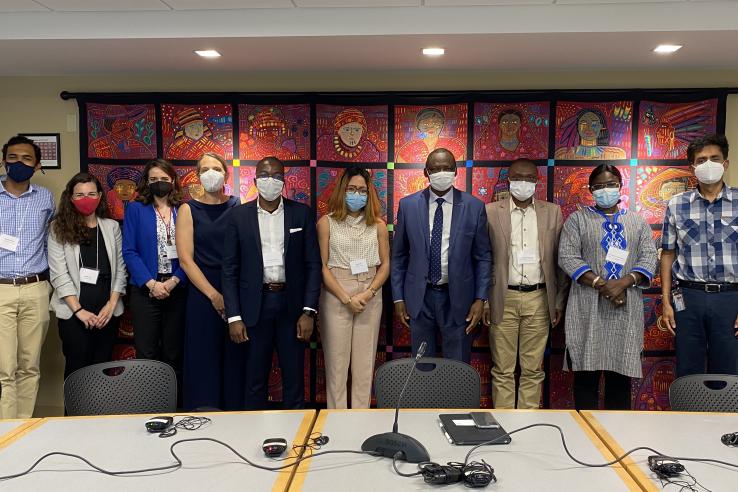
point(243, 270)
point(469, 255)
point(139, 245)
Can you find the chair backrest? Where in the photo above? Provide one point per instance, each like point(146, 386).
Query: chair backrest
point(436, 383)
point(704, 393)
point(130, 386)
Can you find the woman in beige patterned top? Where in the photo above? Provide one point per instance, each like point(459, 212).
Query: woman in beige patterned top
point(354, 247)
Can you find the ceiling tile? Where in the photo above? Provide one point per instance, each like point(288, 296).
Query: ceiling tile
point(601, 2)
point(357, 3)
point(21, 6)
point(477, 3)
point(103, 5)
point(228, 4)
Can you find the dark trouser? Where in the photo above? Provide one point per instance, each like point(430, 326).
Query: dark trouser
point(275, 328)
point(706, 330)
point(587, 390)
point(435, 315)
point(158, 328)
point(83, 347)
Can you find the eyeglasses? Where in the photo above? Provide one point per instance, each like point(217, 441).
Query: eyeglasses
point(610, 186)
point(277, 176)
point(360, 191)
point(92, 194)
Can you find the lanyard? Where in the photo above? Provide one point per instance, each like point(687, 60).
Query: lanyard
point(97, 249)
point(168, 225)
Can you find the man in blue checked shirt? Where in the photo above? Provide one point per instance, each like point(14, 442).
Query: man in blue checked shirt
point(25, 213)
point(700, 248)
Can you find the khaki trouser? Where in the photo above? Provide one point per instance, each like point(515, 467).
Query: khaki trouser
point(349, 339)
point(24, 321)
point(522, 333)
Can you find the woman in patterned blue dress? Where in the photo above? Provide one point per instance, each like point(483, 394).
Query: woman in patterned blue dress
point(610, 255)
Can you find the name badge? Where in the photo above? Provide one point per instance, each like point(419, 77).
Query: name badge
point(88, 275)
point(359, 266)
point(272, 258)
point(617, 255)
point(9, 242)
point(172, 252)
point(527, 257)
point(678, 298)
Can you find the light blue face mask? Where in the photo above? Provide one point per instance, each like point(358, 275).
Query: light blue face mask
point(606, 197)
point(355, 201)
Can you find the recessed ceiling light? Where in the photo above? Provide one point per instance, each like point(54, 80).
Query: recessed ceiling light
point(667, 49)
point(433, 51)
point(207, 53)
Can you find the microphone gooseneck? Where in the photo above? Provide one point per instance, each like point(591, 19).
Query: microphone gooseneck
point(420, 354)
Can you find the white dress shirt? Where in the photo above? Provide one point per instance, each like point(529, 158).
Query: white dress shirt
point(448, 207)
point(271, 230)
point(524, 237)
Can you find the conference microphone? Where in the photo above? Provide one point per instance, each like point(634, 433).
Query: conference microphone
point(393, 443)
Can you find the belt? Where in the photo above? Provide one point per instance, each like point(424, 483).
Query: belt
point(31, 279)
point(275, 287)
point(439, 287)
point(527, 288)
point(711, 287)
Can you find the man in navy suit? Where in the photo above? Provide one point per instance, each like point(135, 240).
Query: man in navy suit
point(441, 261)
point(271, 284)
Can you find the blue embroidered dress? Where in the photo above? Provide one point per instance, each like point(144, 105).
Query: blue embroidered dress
point(600, 336)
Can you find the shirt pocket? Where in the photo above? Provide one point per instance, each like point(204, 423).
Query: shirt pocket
point(688, 232)
point(729, 230)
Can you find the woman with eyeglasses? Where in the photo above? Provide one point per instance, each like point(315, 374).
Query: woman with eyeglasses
point(213, 370)
point(610, 255)
point(87, 273)
point(354, 247)
point(158, 292)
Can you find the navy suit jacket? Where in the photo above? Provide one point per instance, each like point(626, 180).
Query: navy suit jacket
point(469, 255)
point(243, 270)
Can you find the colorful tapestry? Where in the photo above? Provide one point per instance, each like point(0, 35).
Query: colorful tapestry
point(503, 132)
point(665, 129)
point(352, 133)
point(191, 130)
point(593, 131)
point(118, 131)
point(282, 131)
point(421, 129)
point(392, 134)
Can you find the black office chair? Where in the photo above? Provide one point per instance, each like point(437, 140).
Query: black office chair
point(436, 383)
point(120, 387)
point(704, 393)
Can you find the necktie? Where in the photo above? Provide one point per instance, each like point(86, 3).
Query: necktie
point(435, 245)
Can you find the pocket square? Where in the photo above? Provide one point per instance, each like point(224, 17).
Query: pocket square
point(297, 229)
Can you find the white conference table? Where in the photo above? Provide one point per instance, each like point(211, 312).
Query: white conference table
point(122, 443)
point(534, 461)
point(687, 434)
point(11, 428)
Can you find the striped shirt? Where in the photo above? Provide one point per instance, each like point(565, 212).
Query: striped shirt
point(704, 235)
point(27, 218)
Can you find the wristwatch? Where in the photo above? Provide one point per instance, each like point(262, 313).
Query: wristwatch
point(309, 312)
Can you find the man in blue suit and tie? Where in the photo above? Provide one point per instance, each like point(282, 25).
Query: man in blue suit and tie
point(271, 284)
point(441, 261)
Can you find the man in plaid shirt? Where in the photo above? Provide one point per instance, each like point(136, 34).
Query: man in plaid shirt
point(700, 249)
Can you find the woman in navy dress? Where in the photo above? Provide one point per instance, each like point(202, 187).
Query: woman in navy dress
point(214, 366)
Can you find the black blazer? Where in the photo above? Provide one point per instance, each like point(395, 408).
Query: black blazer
point(243, 271)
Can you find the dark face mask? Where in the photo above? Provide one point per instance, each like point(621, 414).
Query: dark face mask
point(19, 172)
point(160, 188)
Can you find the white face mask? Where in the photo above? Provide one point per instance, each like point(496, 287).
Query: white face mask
point(212, 180)
point(442, 180)
point(709, 172)
point(269, 188)
point(522, 190)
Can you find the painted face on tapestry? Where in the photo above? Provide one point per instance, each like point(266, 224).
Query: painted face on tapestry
point(350, 134)
point(194, 130)
point(509, 126)
point(121, 129)
point(671, 188)
point(589, 126)
point(431, 125)
point(125, 189)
